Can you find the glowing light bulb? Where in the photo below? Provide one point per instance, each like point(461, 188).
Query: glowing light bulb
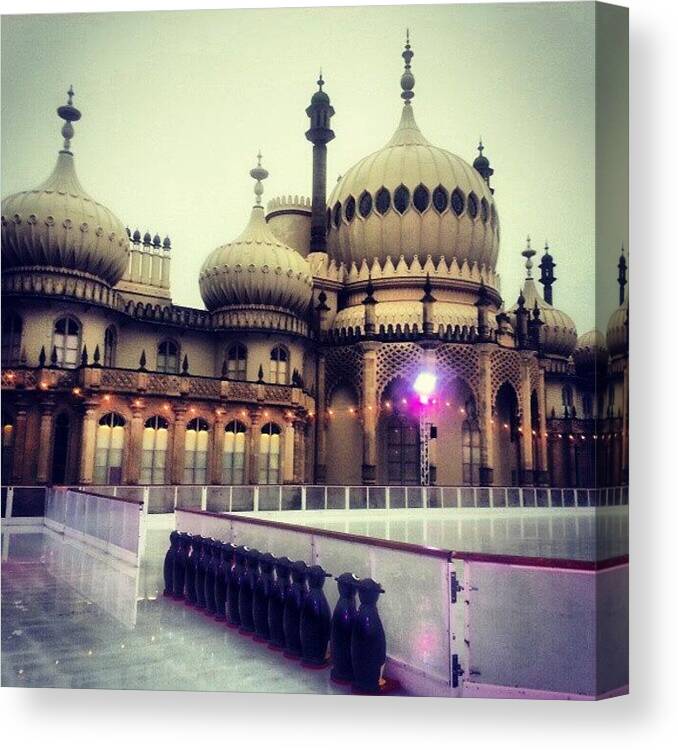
point(424, 385)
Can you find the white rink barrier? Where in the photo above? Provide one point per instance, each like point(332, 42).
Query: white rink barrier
point(112, 525)
point(465, 624)
point(252, 498)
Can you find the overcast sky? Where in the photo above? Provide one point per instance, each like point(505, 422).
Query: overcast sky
point(175, 106)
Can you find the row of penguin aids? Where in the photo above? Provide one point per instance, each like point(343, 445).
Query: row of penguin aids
point(282, 603)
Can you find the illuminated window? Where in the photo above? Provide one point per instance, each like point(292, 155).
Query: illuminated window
point(168, 357)
point(154, 451)
point(421, 198)
point(472, 205)
point(12, 328)
point(269, 454)
point(195, 457)
point(110, 444)
point(234, 453)
point(349, 208)
point(457, 201)
point(66, 341)
point(383, 201)
point(110, 346)
point(440, 199)
point(236, 362)
point(401, 199)
point(279, 366)
point(365, 205)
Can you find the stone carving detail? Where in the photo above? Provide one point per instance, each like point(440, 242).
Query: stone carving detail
point(123, 380)
point(344, 364)
point(459, 361)
point(505, 368)
point(397, 360)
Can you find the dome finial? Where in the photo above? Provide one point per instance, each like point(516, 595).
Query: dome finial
point(528, 254)
point(320, 80)
point(259, 174)
point(70, 114)
point(407, 78)
point(481, 148)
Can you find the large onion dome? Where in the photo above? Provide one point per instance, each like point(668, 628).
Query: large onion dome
point(591, 352)
point(57, 227)
point(412, 197)
point(618, 330)
point(558, 332)
point(256, 268)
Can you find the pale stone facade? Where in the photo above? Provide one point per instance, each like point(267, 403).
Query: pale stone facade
point(319, 317)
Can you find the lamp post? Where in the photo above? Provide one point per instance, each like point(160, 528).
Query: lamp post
point(424, 386)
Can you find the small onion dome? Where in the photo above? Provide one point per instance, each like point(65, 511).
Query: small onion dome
point(256, 268)
point(591, 352)
point(57, 226)
point(412, 197)
point(558, 332)
point(618, 330)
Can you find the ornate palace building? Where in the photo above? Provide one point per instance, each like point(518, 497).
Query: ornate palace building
point(317, 319)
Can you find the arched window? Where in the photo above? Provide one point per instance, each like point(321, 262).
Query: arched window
point(110, 346)
point(457, 201)
point(470, 446)
point(472, 205)
point(349, 208)
point(234, 453)
point(440, 199)
point(66, 341)
point(110, 444)
point(269, 454)
point(365, 204)
point(7, 447)
point(567, 399)
point(12, 328)
point(337, 214)
point(168, 357)
point(421, 198)
point(484, 210)
point(195, 460)
point(402, 450)
point(236, 362)
point(279, 366)
point(154, 450)
point(401, 199)
point(383, 201)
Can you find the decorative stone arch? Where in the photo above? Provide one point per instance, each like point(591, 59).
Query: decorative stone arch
point(505, 368)
point(397, 360)
point(343, 364)
point(457, 361)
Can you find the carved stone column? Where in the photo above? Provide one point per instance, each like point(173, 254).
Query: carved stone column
point(19, 448)
point(542, 477)
point(320, 428)
point(299, 474)
point(370, 410)
point(216, 461)
point(179, 444)
point(136, 437)
point(253, 446)
point(486, 470)
point(527, 469)
point(46, 444)
point(88, 440)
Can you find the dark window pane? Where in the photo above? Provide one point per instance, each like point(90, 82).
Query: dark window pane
point(365, 205)
point(401, 199)
point(349, 210)
point(472, 206)
point(440, 199)
point(383, 201)
point(457, 202)
point(421, 198)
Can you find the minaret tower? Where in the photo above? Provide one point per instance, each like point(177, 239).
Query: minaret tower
point(547, 278)
point(621, 278)
point(320, 113)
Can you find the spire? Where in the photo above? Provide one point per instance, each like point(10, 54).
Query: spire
point(259, 174)
point(482, 164)
point(69, 114)
point(547, 277)
point(621, 278)
point(407, 78)
point(528, 253)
